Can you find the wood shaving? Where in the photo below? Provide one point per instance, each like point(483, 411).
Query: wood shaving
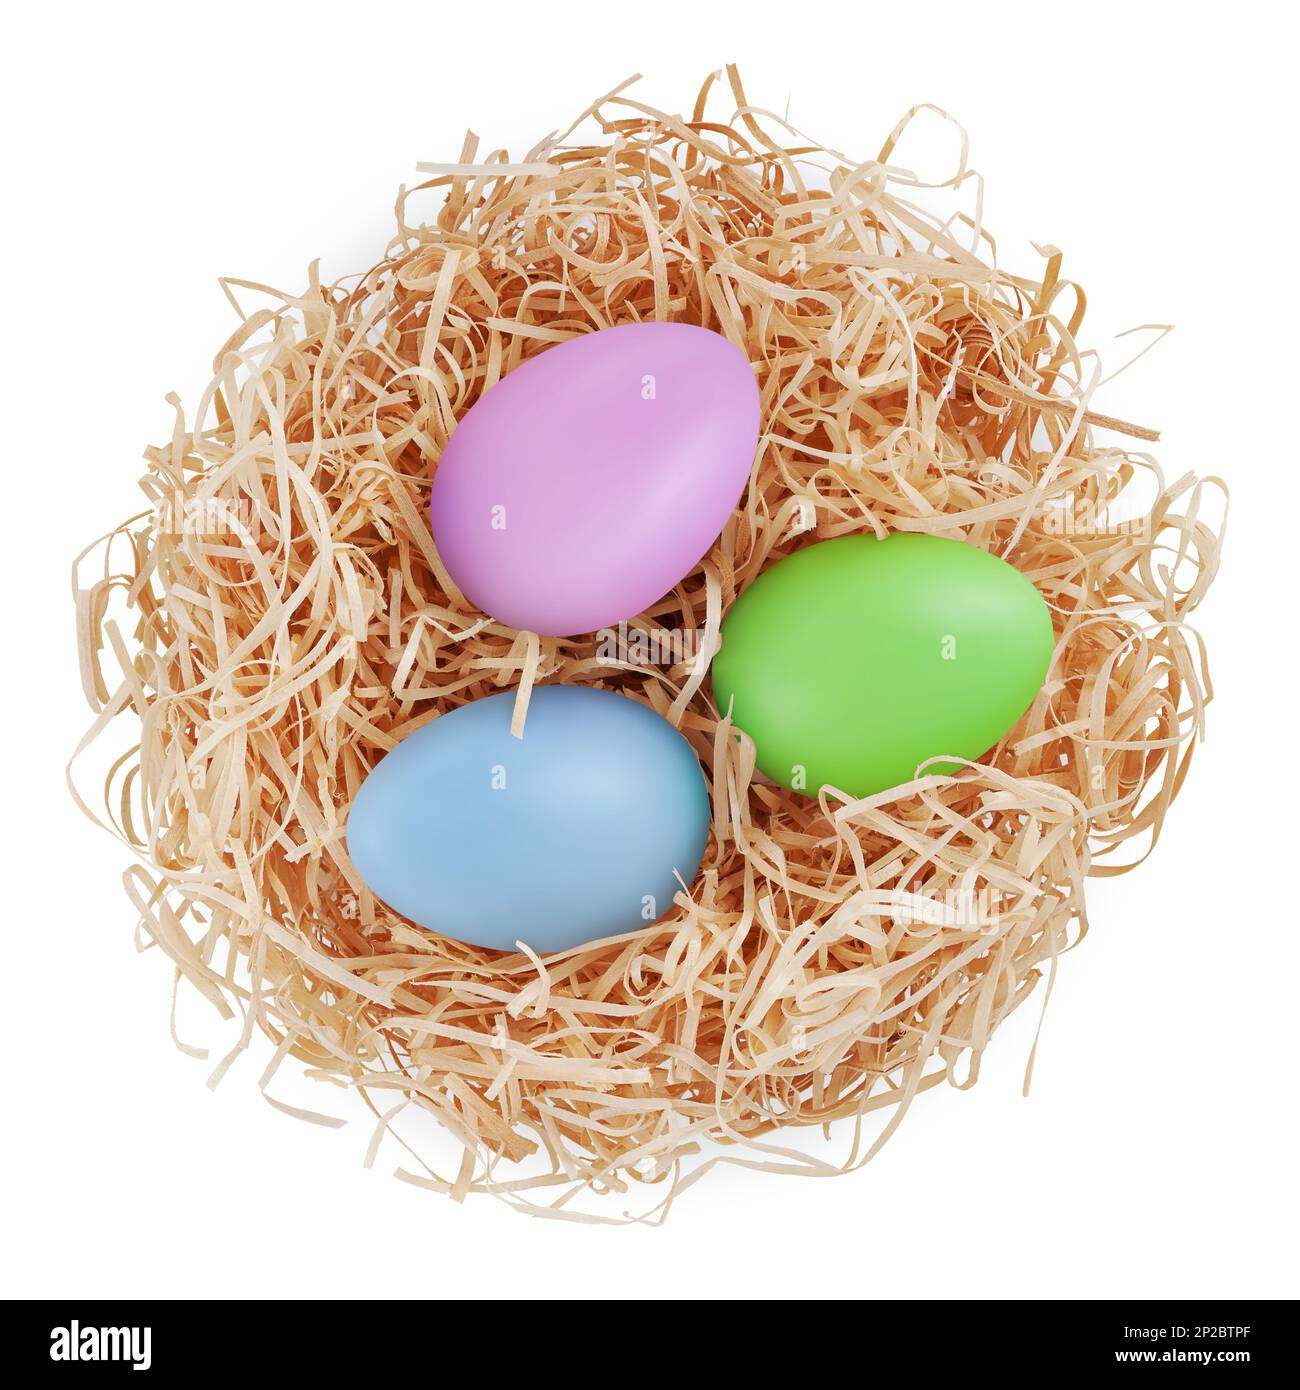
point(280, 619)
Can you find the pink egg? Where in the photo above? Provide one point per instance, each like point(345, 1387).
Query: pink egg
point(593, 478)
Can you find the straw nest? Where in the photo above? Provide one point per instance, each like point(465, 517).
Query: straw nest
point(279, 619)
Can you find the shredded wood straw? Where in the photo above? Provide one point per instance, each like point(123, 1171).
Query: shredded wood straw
point(291, 622)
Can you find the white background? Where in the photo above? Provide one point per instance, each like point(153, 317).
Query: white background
point(150, 149)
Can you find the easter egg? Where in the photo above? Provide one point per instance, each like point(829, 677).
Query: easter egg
point(574, 832)
point(590, 480)
point(853, 660)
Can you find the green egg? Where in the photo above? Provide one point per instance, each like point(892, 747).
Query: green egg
point(853, 660)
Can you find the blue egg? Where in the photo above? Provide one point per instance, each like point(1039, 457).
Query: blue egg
point(572, 833)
